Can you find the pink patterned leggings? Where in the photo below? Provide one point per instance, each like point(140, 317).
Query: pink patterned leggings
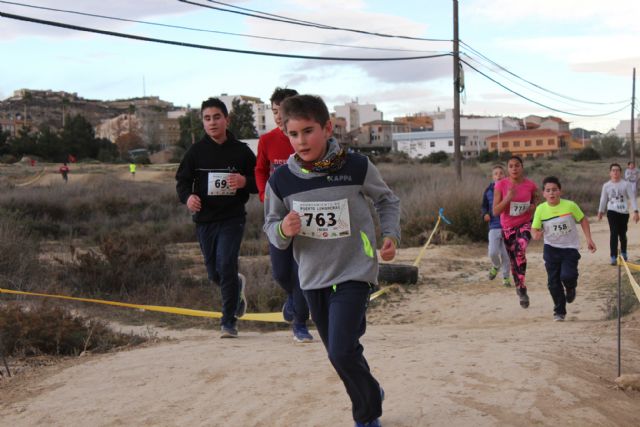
point(516, 240)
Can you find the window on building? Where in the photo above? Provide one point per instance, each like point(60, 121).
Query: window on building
point(450, 143)
point(539, 142)
point(432, 144)
point(494, 145)
point(505, 144)
point(527, 143)
point(516, 143)
point(551, 141)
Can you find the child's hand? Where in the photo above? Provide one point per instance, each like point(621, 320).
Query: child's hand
point(236, 181)
point(511, 193)
point(599, 216)
point(291, 224)
point(487, 218)
point(388, 250)
point(193, 203)
point(636, 217)
point(591, 245)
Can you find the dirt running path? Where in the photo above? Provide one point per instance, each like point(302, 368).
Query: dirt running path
point(455, 351)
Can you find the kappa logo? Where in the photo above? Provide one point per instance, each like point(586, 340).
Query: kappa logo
point(339, 178)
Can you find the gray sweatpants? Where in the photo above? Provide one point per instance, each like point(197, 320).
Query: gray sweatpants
point(497, 252)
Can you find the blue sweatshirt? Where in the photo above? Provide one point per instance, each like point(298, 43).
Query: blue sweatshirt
point(487, 207)
point(338, 240)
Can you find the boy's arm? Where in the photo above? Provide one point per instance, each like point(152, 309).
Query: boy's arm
point(536, 225)
point(185, 177)
point(584, 223)
point(485, 203)
point(250, 176)
point(603, 201)
point(274, 212)
point(386, 203)
point(634, 203)
point(262, 168)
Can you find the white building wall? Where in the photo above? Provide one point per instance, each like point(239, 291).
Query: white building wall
point(421, 144)
point(356, 114)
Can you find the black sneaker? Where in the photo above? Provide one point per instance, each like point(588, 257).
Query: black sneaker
point(287, 310)
point(242, 300)
point(524, 298)
point(571, 295)
point(228, 332)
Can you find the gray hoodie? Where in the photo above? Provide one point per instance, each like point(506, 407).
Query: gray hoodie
point(338, 239)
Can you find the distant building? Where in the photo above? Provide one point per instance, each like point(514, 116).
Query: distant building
point(356, 114)
point(475, 129)
point(530, 143)
point(417, 122)
point(623, 129)
point(378, 135)
point(421, 144)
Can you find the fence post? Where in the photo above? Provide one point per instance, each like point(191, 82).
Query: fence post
point(6, 366)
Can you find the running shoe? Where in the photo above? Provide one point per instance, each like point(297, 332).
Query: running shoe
point(524, 298)
point(301, 334)
point(624, 256)
point(558, 317)
point(287, 310)
point(374, 423)
point(242, 300)
point(493, 272)
point(614, 261)
point(506, 282)
point(228, 332)
point(571, 295)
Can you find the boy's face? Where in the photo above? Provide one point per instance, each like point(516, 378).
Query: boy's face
point(215, 123)
point(614, 173)
point(551, 193)
point(275, 109)
point(631, 165)
point(497, 174)
point(308, 138)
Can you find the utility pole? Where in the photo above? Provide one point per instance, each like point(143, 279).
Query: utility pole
point(633, 107)
point(456, 93)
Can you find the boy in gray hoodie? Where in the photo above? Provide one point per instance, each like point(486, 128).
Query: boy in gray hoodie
point(317, 204)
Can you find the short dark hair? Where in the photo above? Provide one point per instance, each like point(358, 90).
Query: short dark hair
point(631, 163)
point(551, 180)
point(497, 166)
point(215, 103)
point(281, 93)
point(309, 107)
point(614, 165)
point(518, 158)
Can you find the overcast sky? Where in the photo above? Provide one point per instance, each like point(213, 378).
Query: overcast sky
point(581, 50)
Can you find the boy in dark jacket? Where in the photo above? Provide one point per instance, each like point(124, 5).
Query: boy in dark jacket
point(214, 180)
point(497, 251)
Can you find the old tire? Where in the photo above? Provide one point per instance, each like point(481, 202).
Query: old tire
point(398, 273)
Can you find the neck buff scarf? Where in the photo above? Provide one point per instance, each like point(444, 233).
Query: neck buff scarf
point(332, 161)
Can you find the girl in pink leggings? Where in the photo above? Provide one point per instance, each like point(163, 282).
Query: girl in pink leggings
point(514, 200)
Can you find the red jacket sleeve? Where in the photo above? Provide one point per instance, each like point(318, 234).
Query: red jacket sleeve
point(263, 167)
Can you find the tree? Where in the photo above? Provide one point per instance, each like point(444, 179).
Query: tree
point(191, 129)
point(609, 146)
point(241, 120)
point(78, 138)
point(128, 141)
point(586, 154)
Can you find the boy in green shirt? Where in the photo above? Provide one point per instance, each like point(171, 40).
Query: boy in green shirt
point(557, 219)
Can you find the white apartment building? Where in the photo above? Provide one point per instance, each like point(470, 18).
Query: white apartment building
point(623, 130)
point(473, 129)
point(421, 144)
point(357, 114)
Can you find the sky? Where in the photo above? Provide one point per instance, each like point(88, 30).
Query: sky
point(579, 54)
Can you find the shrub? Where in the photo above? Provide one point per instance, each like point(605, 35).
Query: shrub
point(52, 330)
point(586, 154)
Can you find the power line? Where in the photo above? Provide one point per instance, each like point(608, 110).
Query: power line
point(519, 82)
point(286, 20)
point(539, 103)
point(536, 85)
point(199, 46)
point(74, 12)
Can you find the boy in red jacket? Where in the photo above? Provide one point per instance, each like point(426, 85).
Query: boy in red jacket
point(274, 149)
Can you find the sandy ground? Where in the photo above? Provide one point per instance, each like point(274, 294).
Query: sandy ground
point(456, 350)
